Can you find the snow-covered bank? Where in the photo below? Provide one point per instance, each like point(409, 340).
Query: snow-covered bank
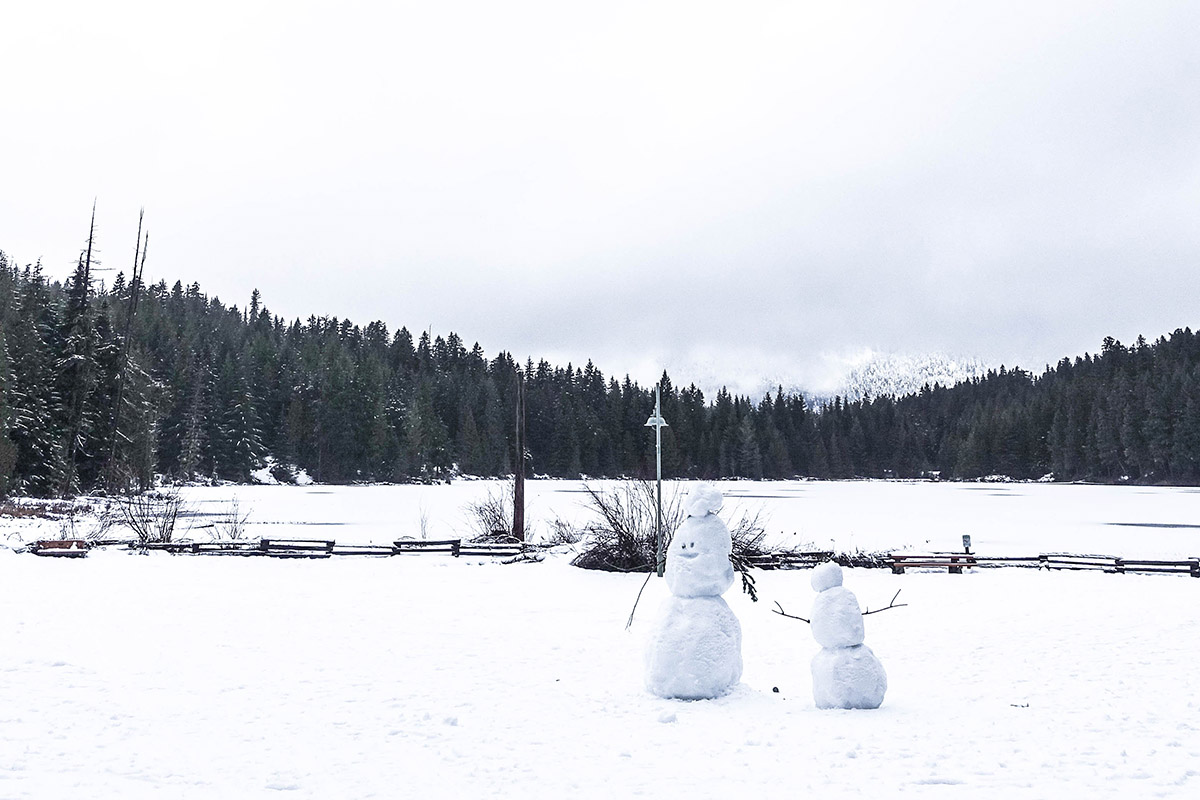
point(431, 677)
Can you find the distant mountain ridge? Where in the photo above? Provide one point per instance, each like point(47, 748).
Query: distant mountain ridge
point(896, 374)
point(868, 374)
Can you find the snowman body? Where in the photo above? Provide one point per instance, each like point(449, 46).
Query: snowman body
point(694, 650)
point(846, 674)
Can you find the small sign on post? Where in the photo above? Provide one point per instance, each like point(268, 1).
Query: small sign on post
point(966, 542)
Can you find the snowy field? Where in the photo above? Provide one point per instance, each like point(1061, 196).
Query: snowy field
point(127, 676)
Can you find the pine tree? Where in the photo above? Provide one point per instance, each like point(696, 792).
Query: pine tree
point(193, 451)
point(101, 405)
point(36, 407)
point(241, 449)
point(8, 450)
point(76, 369)
point(426, 437)
point(142, 400)
point(749, 456)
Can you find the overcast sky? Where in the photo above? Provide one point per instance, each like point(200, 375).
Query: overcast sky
point(735, 191)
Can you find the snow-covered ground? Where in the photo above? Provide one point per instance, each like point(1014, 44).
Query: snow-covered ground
point(127, 676)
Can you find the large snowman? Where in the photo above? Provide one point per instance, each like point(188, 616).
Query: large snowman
point(846, 674)
point(694, 651)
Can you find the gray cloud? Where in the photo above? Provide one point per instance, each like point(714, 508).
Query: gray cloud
point(737, 192)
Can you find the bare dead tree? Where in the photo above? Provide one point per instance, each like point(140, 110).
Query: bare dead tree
point(139, 268)
point(79, 389)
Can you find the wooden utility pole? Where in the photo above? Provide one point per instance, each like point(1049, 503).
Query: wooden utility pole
point(518, 529)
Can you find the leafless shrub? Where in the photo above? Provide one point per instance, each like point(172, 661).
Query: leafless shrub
point(68, 526)
point(151, 515)
point(622, 536)
point(41, 509)
point(83, 521)
point(232, 527)
point(748, 534)
point(423, 521)
point(492, 517)
point(863, 558)
point(623, 532)
point(563, 532)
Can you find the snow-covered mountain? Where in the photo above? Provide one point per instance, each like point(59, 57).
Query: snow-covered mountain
point(899, 374)
point(822, 377)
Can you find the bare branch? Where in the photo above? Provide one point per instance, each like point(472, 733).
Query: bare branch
point(632, 611)
point(892, 604)
point(783, 613)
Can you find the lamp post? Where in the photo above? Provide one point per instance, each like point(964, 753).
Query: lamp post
point(657, 422)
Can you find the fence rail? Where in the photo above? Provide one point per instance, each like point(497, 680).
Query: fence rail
point(789, 559)
point(953, 562)
point(956, 562)
point(294, 548)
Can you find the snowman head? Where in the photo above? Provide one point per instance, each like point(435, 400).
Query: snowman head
point(826, 576)
point(698, 559)
point(702, 500)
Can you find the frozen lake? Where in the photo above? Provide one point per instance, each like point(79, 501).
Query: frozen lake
point(1002, 519)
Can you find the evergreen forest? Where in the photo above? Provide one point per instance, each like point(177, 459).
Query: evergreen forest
point(103, 388)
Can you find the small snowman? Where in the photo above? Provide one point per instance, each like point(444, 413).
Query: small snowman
point(846, 674)
point(694, 651)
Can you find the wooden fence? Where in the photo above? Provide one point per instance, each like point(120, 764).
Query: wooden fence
point(956, 562)
point(295, 548)
point(326, 548)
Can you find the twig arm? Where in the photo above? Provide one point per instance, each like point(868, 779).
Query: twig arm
point(892, 604)
point(783, 613)
point(632, 611)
